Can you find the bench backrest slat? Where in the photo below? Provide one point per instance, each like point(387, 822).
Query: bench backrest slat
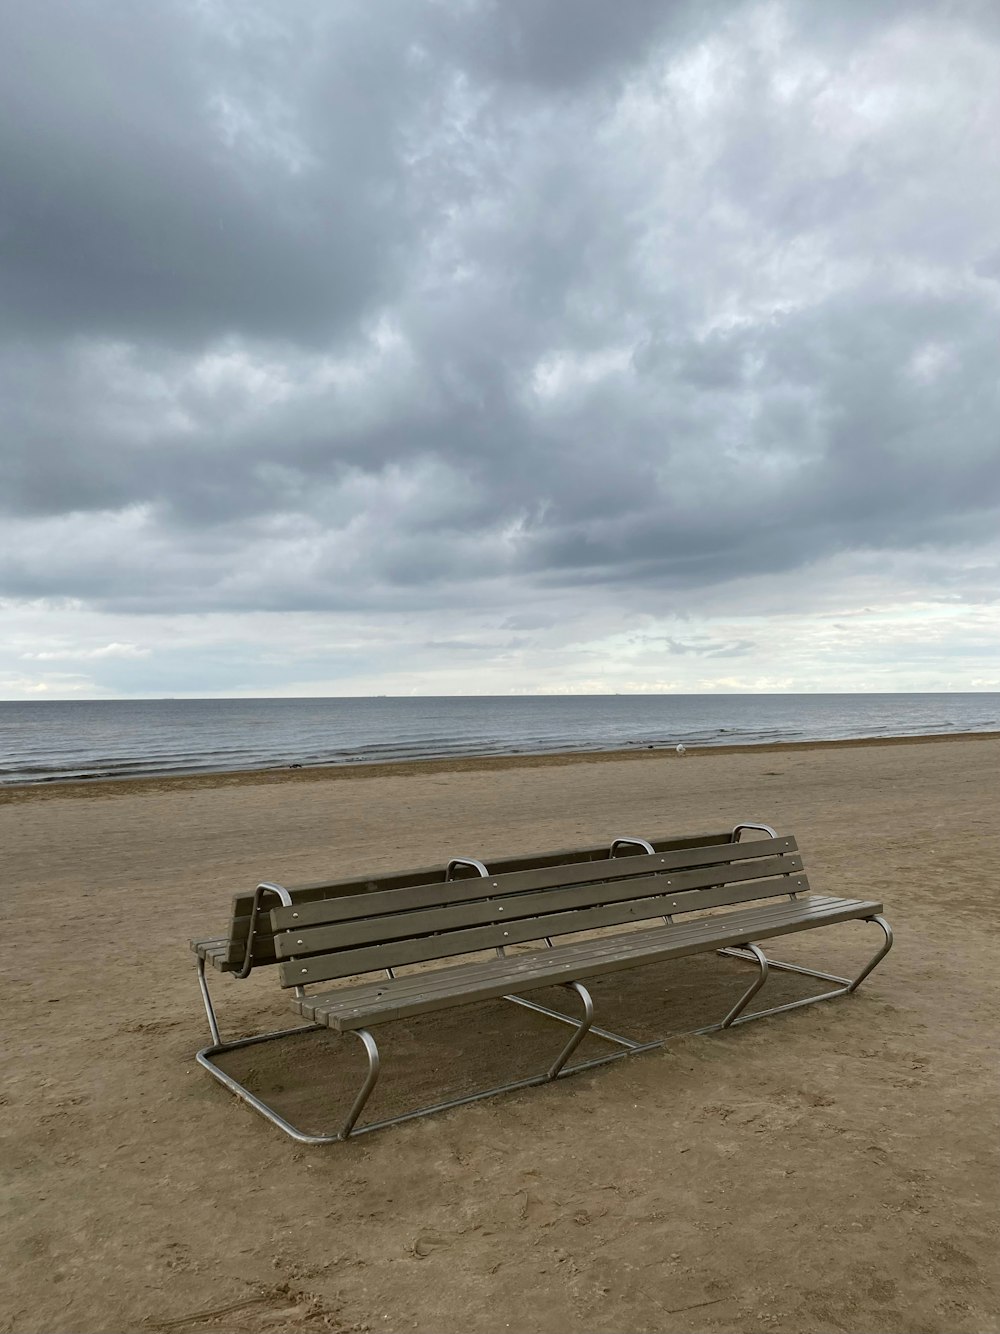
point(298, 940)
point(263, 952)
point(424, 949)
point(499, 885)
point(403, 927)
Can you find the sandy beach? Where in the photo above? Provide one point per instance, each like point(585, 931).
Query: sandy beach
point(832, 1169)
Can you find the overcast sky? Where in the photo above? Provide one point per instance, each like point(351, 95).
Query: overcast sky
point(449, 346)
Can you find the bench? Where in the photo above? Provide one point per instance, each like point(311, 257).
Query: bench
point(668, 898)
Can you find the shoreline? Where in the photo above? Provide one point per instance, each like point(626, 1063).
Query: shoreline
point(76, 788)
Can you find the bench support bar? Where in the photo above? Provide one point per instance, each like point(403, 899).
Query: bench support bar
point(559, 1069)
point(616, 1038)
point(734, 952)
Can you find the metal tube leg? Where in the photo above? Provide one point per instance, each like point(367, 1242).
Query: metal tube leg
point(209, 1007)
point(579, 1033)
point(371, 1079)
point(887, 946)
point(751, 991)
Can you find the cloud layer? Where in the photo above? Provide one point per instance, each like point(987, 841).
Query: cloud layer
point(452, 342)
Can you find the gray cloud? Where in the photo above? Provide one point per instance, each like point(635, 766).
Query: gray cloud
point(174, 173)
point(368, 308)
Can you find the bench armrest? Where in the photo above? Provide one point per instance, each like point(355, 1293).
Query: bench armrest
point(265, 887)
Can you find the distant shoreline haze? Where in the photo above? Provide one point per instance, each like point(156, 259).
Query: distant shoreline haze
point(48, 740)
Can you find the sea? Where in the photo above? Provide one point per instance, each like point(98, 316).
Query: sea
point(45, 741)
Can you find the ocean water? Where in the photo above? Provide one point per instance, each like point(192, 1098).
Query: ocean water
point(44, 741)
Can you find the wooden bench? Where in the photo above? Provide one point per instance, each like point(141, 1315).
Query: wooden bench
point(674, 897)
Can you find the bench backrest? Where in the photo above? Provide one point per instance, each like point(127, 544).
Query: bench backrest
point(391, 926)
point(263, 946)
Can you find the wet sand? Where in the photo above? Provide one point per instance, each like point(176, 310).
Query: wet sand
point(830, 1169)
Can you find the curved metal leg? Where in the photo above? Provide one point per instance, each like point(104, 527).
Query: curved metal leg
point(845, 987)
point(350, 1128)
point(579, 1033)
point(752, 990)
point(559, 1067)
point(371, 1079)
point(205, 1059)
point(213, 1023)
point(886, 947)
point(209, 1007)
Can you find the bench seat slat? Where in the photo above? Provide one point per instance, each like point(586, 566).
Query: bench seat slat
point(367, 1004)
point(219, 952)
point(212, 943)
point(702, 886)
point(441, 893)
point(433, 980)
point(214, 952)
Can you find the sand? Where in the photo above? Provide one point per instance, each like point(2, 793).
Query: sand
point(830, 1169)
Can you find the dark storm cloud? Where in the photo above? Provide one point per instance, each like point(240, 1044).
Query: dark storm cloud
point(383, 306)
point(174, 179)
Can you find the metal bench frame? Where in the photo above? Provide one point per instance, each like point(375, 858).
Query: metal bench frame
point(559, 1068)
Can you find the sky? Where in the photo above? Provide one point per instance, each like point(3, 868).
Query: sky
point(492, 346)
